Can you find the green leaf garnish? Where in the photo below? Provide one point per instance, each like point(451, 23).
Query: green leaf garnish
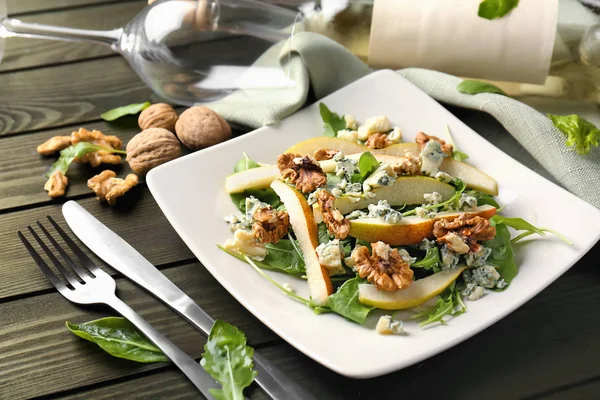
point(266, 195)
point(367, 164)
point(460, 188)
point(503, 256)
point(470, 86)
point(430, 261)
point(228, 360)
point(521, 225)
point(449, 302)
point(483, 198)
point(245, 164)
point(119, 112)
point(77, 150)
point(491, 9)
point(580, 132)
point(456, 154)
point(323, 233)
point(345, 301)
point(332, 121)
point(119, 338)
point(282, 256)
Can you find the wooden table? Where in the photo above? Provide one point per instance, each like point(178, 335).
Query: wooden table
point(548, 349)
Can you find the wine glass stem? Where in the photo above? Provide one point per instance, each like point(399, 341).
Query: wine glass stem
point(14, 28)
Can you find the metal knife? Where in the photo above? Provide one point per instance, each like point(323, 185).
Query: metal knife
point(120, 255)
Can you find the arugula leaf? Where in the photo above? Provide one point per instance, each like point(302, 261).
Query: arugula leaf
point(119, 338)
point(502, 253)
point(228, 360)
point(491, 9)
point(449, 302)
point(460, 188)
point(323, 233)
point(456, 154)
point(266, 195)
point(483, 198)
point(332, 121)
point(345, 301)
point(245, 164)
point(119, 112)
point(367, 164)
point(431, 260)
point(580, 132)
point(517, 223)
point(470, 86)
point(281, 256)
point(77, 150)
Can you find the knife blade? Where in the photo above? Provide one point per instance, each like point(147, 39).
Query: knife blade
point(120, 255)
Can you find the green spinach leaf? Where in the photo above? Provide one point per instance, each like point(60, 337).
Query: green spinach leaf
point(502, 253)
point(119, 338)
point(345, 301)
point(228, 359)
point(469, 86)
point(77, 150)
point(119, 112)
point(483, 198)
point(266, 195)
point(580, 132)
point(245, 164)
point(367, 164)
point(332, 121)
point(491, 9)
point(323, 233)
point(282, 257)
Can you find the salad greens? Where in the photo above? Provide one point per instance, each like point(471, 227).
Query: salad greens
point(245, 164)
point(345, 301)
point(431, 261)
point(68, 155)
point(228, 359)
point(119, 112)
point(456, 154)
point(581, 133)
point(283, 257)
point(367, 164)
point(470, 86)
point(448, 303)
point(119, 338)
point(502, 255)
point(266, 195)
point(492, 9)
point(332, 121)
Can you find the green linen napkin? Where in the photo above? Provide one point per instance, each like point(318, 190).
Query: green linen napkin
point(325, 66)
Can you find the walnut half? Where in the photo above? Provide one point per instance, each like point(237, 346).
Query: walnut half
point(325, 154)
point(336, 224)
point(304, 172)
point(271, 225)
point(464, 230)
point(108, 187)
point(57, 184)
point(385, 268)
point(378, 141)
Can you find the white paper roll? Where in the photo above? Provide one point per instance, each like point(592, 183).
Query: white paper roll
point(449, 36)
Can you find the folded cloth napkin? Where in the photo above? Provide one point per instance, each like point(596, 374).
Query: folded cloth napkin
point(316, 62)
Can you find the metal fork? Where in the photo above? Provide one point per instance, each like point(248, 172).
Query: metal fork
point(91, 285)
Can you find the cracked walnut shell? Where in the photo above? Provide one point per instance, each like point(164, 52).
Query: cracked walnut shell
point(160, 115)
point(271, 225)
point(422, 139)
point(108, 187)
point(304, 172)
point(56, 184)
point(151, 148)
point(336, 224)
point(469, 229)
point(199, 127)
point(385, 268)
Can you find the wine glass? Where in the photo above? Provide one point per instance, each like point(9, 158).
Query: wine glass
point(189, 51)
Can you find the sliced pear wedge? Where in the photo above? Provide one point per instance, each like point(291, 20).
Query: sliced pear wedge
point(305, 228)
point(257, 178)
point(471, 176)
point(308, 147)
point(410, 230)
point(416, 294)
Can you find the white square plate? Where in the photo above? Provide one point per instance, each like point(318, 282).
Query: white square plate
point(190, 191)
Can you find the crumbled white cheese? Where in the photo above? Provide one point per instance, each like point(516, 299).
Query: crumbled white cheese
point(330, 257)
point(387, 326)
point(357, 214)
point(406, 256)
point(456, 243)
point(433, 198)
point(351, 136)
point(426, 244)
point(288, 287)
point(395, 136)
point(477, 293)
point(312, 198)
point(374, 125)
point(351, 122)
point(478, 258)
point(466, 202)
point(424, 213)
point(244, 242)
point(345, 167)
point(384, 175)
point(486, 276)
point(384, 211)
point(431, 158)
point(444, 177)
point(449, 259)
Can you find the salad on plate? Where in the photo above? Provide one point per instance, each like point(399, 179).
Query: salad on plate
point(369, 222)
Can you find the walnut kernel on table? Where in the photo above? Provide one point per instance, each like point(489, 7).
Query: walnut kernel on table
point(199, 127)
point(422, 139)
point(108, 187)
point(56, 184)
point(160, 115)
point(53, 145)
point(96, 158)
point(462, 234)
point(271, 225)
point(304, 172)
point(336, 224)
point(385, 268)
point(151, 148)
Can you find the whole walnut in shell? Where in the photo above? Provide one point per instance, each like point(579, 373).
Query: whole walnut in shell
point(151, 148)
point(199, 127)
point(158, 115)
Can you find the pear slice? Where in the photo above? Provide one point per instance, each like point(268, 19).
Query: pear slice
point(305, 228)
point(471, 176)
point(308, 147)
point(410, 230)
point(257, 178)
point(416, 294)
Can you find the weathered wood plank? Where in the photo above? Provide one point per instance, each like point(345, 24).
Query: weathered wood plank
point(532, 351)
point(29, 6)
point(26, 53)
point(587, 390)
point(39, 356)
point(22, 169)
point(66, 94)
point(145, 228)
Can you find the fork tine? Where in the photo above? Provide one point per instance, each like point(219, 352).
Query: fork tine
point(78, 270)
point(64, 272)
point(85, 260)
point(42, 265)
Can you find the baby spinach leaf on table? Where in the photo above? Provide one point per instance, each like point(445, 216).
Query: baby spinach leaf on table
point(228, 359)
point(281, 257)
point(332, 121)
point(367, 164)
point(345, 301)
point(130, 109)
point(119, 338)
point(68, 155)
point(266, 195)
point(580, 132)
point(470, 86)
point(245, 164)
point(502, 253)
point(491, 9)
point(431, 260)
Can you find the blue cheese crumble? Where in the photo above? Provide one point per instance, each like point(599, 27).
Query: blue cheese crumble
point(387, 326)
point(467, 203)
point(351, 122)
point(344, 167)
point(406, 257)
point(245, 221)
point(384, 211)
point(444, 177)
point(448, 258)
point(426, 244)
point(384, 175)
point(373, 125)
point(330, 256)
point(433, 198)
point(478, 258)
point(424, 213)
point(349, 135)
point(486, 276)
point(395, 135)
point(357, 214)
point(431, 157)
